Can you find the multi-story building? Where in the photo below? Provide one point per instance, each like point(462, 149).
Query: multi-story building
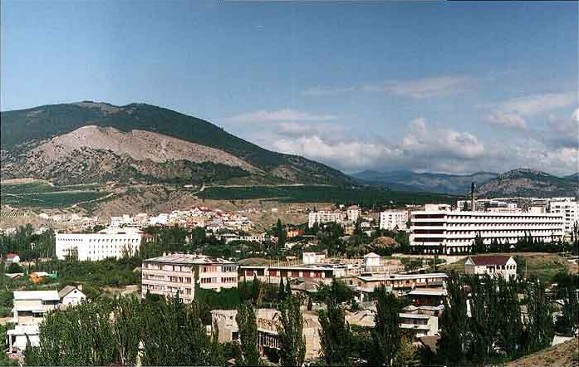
point(184, 273)
point(272, 273)
point(268, 322)
point(325, 216)
point(394, 219)
point(111, 242)
point(569, 209)
point(353, 213)
point(31, 306)
point(401, 283)
point(456, 231)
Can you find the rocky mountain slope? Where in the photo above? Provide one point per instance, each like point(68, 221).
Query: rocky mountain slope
point(518, 182)
point(528, 183)
point(96, 142)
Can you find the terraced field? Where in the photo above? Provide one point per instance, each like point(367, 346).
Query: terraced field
point(42, 194)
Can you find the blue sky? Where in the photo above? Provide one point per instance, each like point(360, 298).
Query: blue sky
point(428, 86)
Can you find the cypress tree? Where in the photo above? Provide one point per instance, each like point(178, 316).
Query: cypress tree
point(248, 335)
point(386, 333)
point(290, 331)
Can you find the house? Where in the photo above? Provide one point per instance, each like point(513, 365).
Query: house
point(31, 306)
point(17, 338)
point(71, 295)
point(493, 265)
point(38, 276)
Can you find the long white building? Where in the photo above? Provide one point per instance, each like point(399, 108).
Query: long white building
point(456, 231)
point(108, 243)
point(393, 219)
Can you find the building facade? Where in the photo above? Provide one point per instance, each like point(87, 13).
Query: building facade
point(108, 243)
point(182, 274)
point(452, 232)
point(394, 219)
point(569, 209)
point(325, 216)
point(493, 265)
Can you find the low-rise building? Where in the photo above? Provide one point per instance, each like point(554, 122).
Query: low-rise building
point(108, 243)
point(268, 321)
point(325, 216)
point(493, 265)
point(399, 283)
point(182, 274)
point(31, 306)
point(71, 295)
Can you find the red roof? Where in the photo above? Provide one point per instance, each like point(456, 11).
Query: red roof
point(490, 260)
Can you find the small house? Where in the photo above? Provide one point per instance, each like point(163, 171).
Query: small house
point(493, 265)
point(71, 295)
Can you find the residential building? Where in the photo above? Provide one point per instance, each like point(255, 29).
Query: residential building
point(273, 273)
point(18, 338)
point(109, 243)
point(184, 273)
point(353, 213)
point(313, 257)
point(401, 283)
point(268, 321)
point(325, 216)
point(31, 306)
point(71, 295)
point(12, 258)
point(569, 209)
point(452, 232)
point(420, 324)
point(394, 219)
point(493, 265)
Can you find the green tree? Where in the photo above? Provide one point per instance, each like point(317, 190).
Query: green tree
point(386, 333)
point(335, 335)
point(248, 335)
point(454, 323)
point(290, 331)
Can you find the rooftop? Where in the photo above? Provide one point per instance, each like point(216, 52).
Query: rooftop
point(489, 259)
point(34, 295)
point(187, 259)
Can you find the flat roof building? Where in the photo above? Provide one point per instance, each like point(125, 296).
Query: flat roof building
point(182, 274)
point(455, 232)
point(111, 242)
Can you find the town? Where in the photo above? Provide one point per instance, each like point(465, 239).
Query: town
point(338, 267)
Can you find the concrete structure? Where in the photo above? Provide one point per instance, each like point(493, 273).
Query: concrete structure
point(71, 295)
point(394, 219)
point(31, 306)
point(353, 213)
point(12, 258)
point(183, 273)
point(326, 216)
point(452, 232)
point(273, 273)
point(108, 243)
point(569, 209)
point(18, 338)
point(420, 324)
point(400, 283)
point(313, 257)
point(494, 265)
point(267, 325)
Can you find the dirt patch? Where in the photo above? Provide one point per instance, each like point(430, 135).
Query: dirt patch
point(565, 354)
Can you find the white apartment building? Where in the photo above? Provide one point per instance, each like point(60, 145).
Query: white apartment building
point(393, 219)
point(569, 209)
point(325, 216)
point(111, 242)
point(183, 273)
point(353, 213)
point(31, 306)
point(456, 231)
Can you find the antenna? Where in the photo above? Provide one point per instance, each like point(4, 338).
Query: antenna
point(472, 196)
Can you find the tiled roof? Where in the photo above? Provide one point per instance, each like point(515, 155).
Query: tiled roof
point(490, 259)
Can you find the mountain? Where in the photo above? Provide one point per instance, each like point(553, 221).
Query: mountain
point(529, 183)
point(96, 142)
point(432, 182)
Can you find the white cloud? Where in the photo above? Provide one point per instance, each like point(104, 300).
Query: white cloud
point(431, 142)
point(506, 119)
point(423, 88)
point(538, 103)
point(320, 90)
point(278, 116)
point(575, 115)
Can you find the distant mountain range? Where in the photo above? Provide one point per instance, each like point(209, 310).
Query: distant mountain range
point(518, 182)
point(97, 142)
